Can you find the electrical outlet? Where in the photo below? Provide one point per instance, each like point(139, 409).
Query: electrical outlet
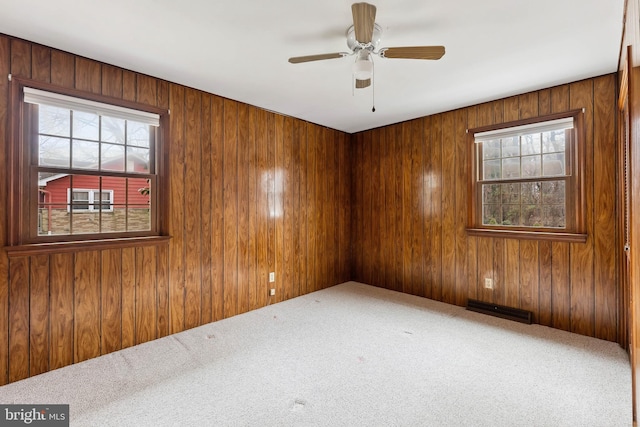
point(272, 277)
point(488, 283)
point(272, 291)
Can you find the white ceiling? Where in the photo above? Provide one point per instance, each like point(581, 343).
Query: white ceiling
point(239, 49)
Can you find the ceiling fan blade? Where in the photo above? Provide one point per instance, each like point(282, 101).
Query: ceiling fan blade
point(361, 84)
point(413, 52)
point(364, 18)
point(308, 58)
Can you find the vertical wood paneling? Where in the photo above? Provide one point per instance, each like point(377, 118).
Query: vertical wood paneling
point(448, 208)
point(88, 75)
point(243, 209)
point(111, 81)
point(461, 170)
point(192, 217)
point(39, 315)
point(262, 210)
point(145, 307)
point(206, 215)
point(111, 301)
point(311, 207)
point(20, 58)
point(567, 286)
point(162, 300)
point(177, 211)
point(63, 71)
point(146, 90)
point(217, 208)
point(230, 208)
point(545, 295)
point(129, 86)
point(62, 312)
point(19, 319)
point(41, 63)
point(86, 323)
point(417, 209)
point(253, 192)
point(582, 291)
point(284, 265)
point(254, 211)
point(605, 208)
point(436, 207)
point(250, 192)
point(128, 297)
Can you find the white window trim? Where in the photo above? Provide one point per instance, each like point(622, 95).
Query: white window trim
point(37, 96)
point(91, 192)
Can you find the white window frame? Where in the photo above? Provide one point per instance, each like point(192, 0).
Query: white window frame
point(92, 193)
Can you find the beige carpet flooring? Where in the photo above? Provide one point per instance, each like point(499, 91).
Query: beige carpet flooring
point(350, 355)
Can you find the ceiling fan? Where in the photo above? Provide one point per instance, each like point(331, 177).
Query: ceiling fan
point(363, 38)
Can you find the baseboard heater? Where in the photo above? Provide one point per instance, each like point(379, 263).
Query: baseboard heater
point(496, 310)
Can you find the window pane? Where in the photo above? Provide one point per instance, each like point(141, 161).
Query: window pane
point(138, 218)
point(491, 214)
point(490, 193)
point(137, 159)
point(112, 157)
point(531, 166)
point(554, 216)
point(53, 151)
point(510, 193)
point(114, 221)
point(553, 192)
point(553, 142)
point(491, 149)
point(139, 191)
point(137, 134)
point(84, 223)
point(52, 220)
point(510, 147)
point(54, 120)
point(510, 215)
point(531, 192)
point(112, 130)
point(530, 144)
point(86, 125)
point(511, 167)
point(553, 164)
point(491, 169)
point(531, 216)
point(85, 155)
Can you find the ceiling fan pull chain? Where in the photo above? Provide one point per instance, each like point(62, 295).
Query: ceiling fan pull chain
point(373, 88)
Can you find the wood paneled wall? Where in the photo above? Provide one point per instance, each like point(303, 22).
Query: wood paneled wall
point(410, 211)
point(251, 192)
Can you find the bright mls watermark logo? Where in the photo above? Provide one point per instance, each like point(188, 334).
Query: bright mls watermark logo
point(34, 415)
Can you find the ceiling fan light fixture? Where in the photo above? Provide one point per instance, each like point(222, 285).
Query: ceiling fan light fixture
point(363, 66)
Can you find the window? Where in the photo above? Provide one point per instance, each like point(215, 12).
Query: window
point(526, 178)
point(84, 169)
point(89, 200)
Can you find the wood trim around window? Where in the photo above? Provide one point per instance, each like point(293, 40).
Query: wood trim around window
point(19, 236)
point(575, 230)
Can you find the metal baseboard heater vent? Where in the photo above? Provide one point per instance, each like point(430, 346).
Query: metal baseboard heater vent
point(519, 315)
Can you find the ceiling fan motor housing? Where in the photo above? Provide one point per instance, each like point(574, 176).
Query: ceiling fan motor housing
point(355, 45)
